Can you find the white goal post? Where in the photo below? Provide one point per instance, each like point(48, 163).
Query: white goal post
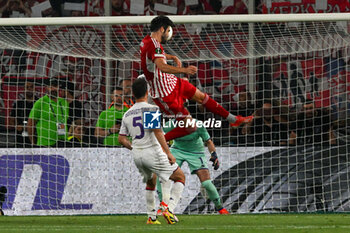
point(291, 70)
point(179, 19)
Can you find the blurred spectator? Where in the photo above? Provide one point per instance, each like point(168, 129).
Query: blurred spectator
point(120, 7)
point(208, 7)
point(126, 85)
point(180, 6)
point(45, 8)
point(15, 9)
point(48, 117)
point(71, 66)
point(199, 8)
point(76, 110)
point(216, 5)
point(20, 113)
point(76, 136)
point(109, 121)
point(244, 108)
point(74, 9)
point(77, 13)
point(268, 127)
point(194, 9)
point(164, 7)
point(149, 9)
point(238, 7)
point(194, 29)
point(313, 126)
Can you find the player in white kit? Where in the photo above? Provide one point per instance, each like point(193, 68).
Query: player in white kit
point(151, 155)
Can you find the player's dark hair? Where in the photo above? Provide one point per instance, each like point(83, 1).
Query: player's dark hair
point(161, 21)
point(139, 88)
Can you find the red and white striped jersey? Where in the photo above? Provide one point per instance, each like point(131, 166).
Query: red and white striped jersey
point(161, 84)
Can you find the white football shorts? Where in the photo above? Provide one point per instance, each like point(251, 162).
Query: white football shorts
point(153, 160)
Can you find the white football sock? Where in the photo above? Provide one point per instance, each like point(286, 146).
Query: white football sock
point(175, 195)
point(151, 204)
point(231, 118)
point(166, 185)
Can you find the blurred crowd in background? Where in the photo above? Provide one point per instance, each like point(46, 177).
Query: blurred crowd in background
point(57, 8)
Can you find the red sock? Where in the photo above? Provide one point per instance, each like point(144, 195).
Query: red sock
point(178, 132)
point(214, 107)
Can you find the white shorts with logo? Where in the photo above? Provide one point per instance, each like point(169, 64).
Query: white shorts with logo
point(153, 160)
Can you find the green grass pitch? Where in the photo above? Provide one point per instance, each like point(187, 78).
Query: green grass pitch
point(244, 223)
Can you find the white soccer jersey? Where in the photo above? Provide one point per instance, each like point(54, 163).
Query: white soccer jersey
point(132, 125)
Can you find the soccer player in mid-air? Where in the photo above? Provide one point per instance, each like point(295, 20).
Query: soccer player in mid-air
point(168, 91)
point(151, 155)
point(190, 149)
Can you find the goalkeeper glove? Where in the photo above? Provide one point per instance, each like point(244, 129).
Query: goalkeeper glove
point(215, 160)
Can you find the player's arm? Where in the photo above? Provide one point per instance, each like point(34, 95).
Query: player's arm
point(5, 7)
point(165, 68)
point(292, 138)
point(123, 139)
point(203, 133)
point(12, 118)
point(12, 122)
point(161, 139)
point(99, 132)
point(332, 137)
point(213, 156)
point(33, 119)
point(211, 146)
point(175, 59)
point(30, 129)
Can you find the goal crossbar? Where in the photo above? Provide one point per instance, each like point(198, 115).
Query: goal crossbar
point(196, 19)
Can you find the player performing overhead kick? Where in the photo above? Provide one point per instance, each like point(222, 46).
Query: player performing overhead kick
point(168, 91)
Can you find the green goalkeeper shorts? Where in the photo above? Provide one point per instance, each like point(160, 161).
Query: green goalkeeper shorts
point(194, 161)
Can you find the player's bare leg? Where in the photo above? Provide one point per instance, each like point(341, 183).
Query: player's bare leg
point(151, 200)
point(216, 108)
point(204, 177)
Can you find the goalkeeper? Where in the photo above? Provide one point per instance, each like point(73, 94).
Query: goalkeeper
point(190, 149)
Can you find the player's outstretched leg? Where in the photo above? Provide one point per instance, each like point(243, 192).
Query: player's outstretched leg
point(216, 108)
point(211, 190)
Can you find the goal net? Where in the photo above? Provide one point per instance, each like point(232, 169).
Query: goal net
point(290, 71)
